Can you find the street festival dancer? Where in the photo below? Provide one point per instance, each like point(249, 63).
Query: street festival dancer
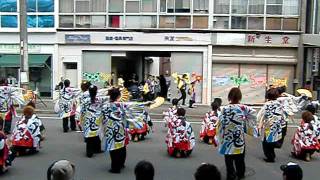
point(91, 120)
point(306, 138)
point(171, 112)
point(117, 116)
point(235, 120)
point(180, 137)
point(209, 124)
point(9, 97)
point(67, 105)
point(4, 150)
point(273, 119)
point(142, 119)
point(27, 133)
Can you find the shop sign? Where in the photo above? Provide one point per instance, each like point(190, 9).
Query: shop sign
point(177, 38)
point(15, 48)
point(119, 38)
point(271, 40)
point(78, 38)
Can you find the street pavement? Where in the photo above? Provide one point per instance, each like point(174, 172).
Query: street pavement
point(59, 145)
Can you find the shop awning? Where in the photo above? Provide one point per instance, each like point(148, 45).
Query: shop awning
point(13, 60)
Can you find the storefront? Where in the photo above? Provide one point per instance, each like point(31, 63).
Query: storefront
point(83, 54)
point(41, 51)
point(253, 62)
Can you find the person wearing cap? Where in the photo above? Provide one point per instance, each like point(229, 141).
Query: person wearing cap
point(306, 138)
point(61, 170)
point(291, 171)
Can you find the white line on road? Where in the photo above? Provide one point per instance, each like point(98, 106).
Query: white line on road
point(159, 121)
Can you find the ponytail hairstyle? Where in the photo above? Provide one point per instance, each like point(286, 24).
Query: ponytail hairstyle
point(66, 84)
point(93, 93)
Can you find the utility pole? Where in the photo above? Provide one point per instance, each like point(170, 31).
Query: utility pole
point(24, 63)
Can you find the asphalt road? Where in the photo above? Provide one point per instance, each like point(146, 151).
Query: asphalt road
point(70, 146)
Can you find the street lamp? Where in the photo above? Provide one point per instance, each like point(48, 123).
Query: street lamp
point(24, 65)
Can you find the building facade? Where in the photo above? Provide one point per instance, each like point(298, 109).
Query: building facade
point(311, 46)
point(246, 43)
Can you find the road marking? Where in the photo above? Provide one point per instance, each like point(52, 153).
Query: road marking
point(160, 121)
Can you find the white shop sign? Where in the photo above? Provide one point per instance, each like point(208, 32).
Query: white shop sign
point(148, 38)
point(272, 40)
point(15, 48)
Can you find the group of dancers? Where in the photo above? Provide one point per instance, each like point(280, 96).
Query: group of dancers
point(226, 126)
point(27, 133)
point(103, 116)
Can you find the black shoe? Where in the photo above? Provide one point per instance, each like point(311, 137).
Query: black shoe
point(269, 160)
point(65, 130)
point(89, 155)
point(114, 171)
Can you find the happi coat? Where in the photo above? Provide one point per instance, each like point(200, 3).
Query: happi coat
point(209, 124)
point(180, 135)
point(68, 101)
point(306, 137)
point(9, 96)
point(27, 133)
point(234, 121)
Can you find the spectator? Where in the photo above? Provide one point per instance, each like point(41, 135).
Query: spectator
point(61, 170)
point(292, 171)
point(207, 171)
point(144, 171)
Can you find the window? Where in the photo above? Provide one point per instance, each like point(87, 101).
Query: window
point(45, 21)
point(163, 5)
point(274, 7)
point(115, 21)
point(45, 5)
point(256, 6)
point(166, 22)
point(98, 21)
point(290, 24)
point(221, 6)
point(201, 6)
point(66, 6)
point(141, 22)
point(82, 6)
point(239, 6)
point(40, 21)
point(273, 24)
point(82, 21)
point(200, 22)
point(220, 22)
point(31, 5)
point(148, 21)
point(32, 21)
point(8, 5)
point(183, 21)
point(9, 21)
point(182, 6)
point(291, 7)
point(98, 5)
point(178, 6)
point(149, 5)
point(132, 7)
point(255, 23)
point(40, 5)
point(66, 21)
point(133, 22)
point(238, 22)
point(115, 6)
